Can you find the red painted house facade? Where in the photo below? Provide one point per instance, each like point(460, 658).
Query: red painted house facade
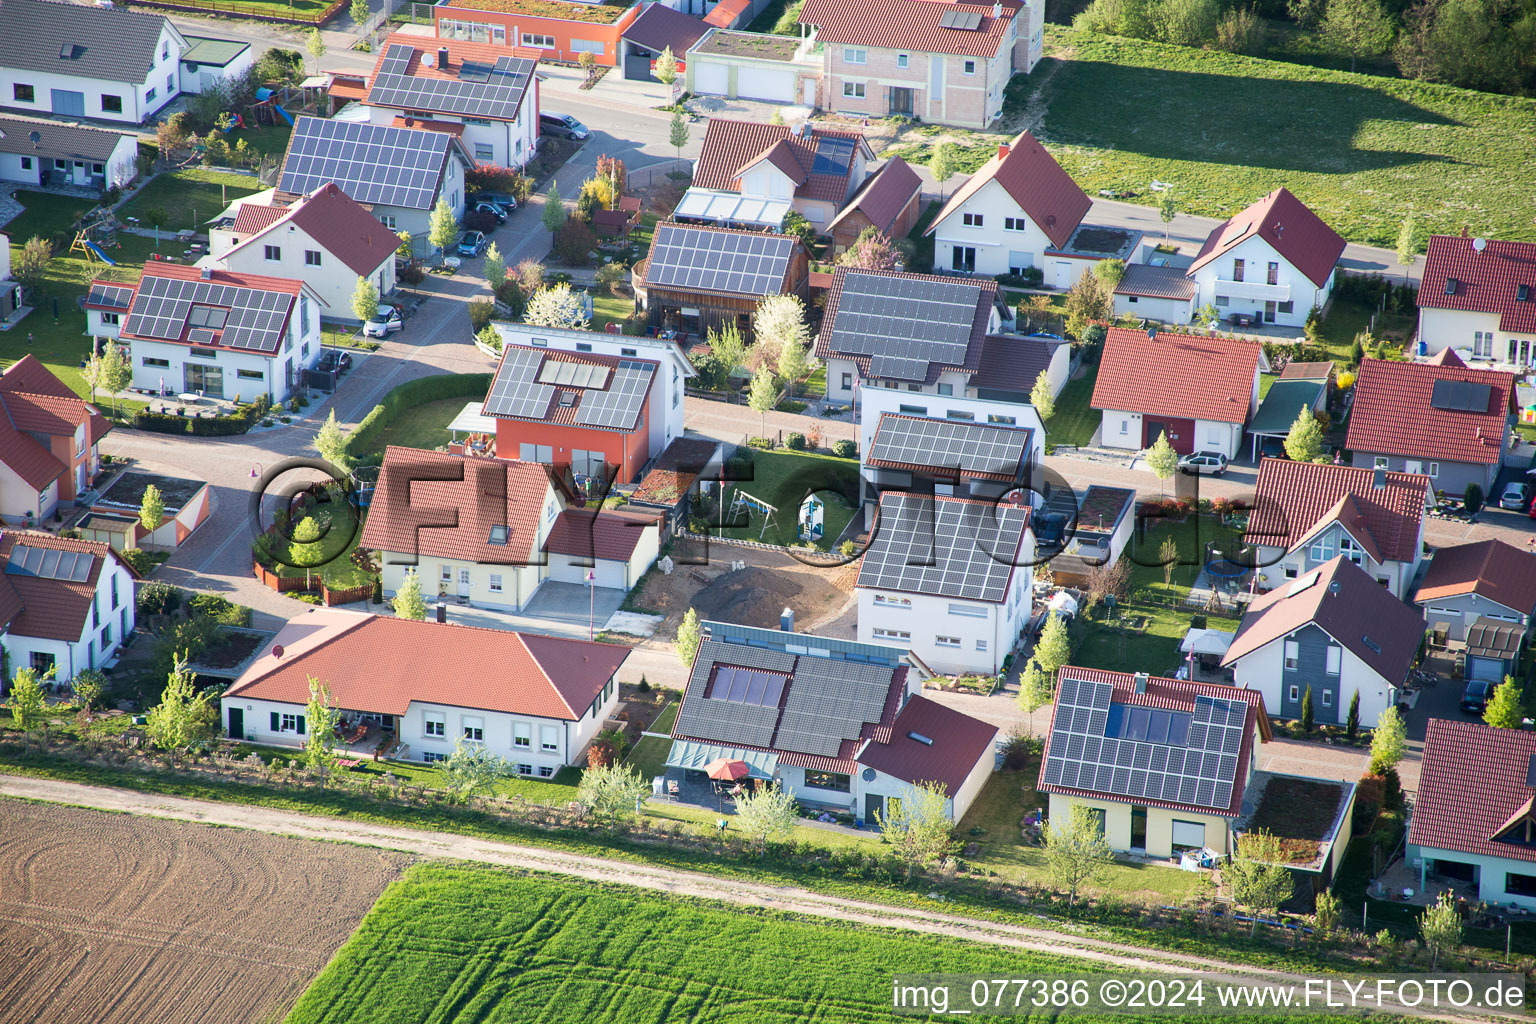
point(558, 30)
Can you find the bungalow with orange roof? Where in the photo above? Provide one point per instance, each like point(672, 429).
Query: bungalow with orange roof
point(65, 605)
point(1487, 579)
point(49, 442)
point(418, 689)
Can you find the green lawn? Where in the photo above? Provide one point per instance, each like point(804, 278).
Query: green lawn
point(783, 479)
point(558, 790)
point(45, 215)
point(422, 426)
point(460, 944)
point(649, 756)
point(330, 556)
point(608, 308)
point(1361, 151)
point(1075, 422)
point(1347, 317)
point(971, 149)
point(1266, 381)
point(189, 197)
point(302, 10)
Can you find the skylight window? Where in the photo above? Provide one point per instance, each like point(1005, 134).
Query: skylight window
point(1450, 285)
point(498, 534)
point(1151, 725)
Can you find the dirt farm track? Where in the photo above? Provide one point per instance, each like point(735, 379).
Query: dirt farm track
point(117, 919)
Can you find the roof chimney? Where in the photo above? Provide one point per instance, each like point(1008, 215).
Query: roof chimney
point(1002, 150)
point(207, 273)
point(1152, 333)
point(997, 10)
point(1378, 479)
point(1141, 682)
point(442, 57)
point(787, 620)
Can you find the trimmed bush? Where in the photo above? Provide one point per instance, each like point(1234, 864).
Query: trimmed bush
point(845, 449)
point(199, 426)
point(409, 395)
point(795, 442)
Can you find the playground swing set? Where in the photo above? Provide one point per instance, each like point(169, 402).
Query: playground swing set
point(746, 503)
point(97, 233)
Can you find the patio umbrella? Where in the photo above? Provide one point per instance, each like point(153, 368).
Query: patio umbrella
point(726, 769)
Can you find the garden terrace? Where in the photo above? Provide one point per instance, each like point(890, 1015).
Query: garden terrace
point(1305, 815)
point(596, 14)
point(747, 44)
point(127, 491)
point(1109, 243)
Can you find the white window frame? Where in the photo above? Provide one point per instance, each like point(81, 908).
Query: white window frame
point(968, 68)
point(1292, 653)
point(855, 55)
point(888, 601)
point(902, 61)
point(522, 736)
point(434, 725)
point(495, 584)
point(1327, 698)
point(472, 728)
point(538, 42)
point(901, 635)
point(433, 756)
point(853, 90)
point(942, 640)
point(525, 769)
point(973, 220)
point(1295, 692)
point(549, 739)
point(546, 771)
point(272, 253)
point(1380, 462)
point(1334, 663)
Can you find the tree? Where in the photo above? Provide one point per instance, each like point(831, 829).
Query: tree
point(918, 824)
point(728, 347)
point(587, 61)
point(870, 251)
point(1185, 22)
point(765, 812)
point(530, 275)
point(360, 14)
point(1034, 689)
point(151, 509)
point(1307, 714)
point(1304, 443)
point(1076, 852)
point(1389, 742)
point(1440, 927)
point(1110, 273)
point(1352, 722)
point(315, 44)
point(403, 250)
point(678, 133)
point(29, 265)
point(942, 164)
point(1357, 27)
point(1054, 648)
point(611, 791)
point(553, 217)
point(556, 306)
point(304, 547)
point(1307, 13)
point(1161, 459)
point(184, 715)
point(1041, 398)
point(1086, 303)
point(408, 602)
point(1208, 316)
point(1472, 499)
point(1257, 874)
point(1167, 209)
point(495, 267)
point(779, 324)
point(331, 442)
point(90, 687)
point(173, 135)
point(442, 226)
point(794, 363)
point(763, 394)
point(1327, 912)
point(1408, 240)
point(1110, 579)
point(1504, 710)
point(26, 702)
point(322, 720)
point(108, 371)
point(365, 299)
point(472, 769)
point(688, 637)
point(611, 276)
point(665, 68)
point(1168, 558)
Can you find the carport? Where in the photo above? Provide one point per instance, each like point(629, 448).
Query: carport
point(1282, 405)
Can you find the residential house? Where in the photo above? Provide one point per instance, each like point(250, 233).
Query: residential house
point(1487, 579)
point(106, 303)
point(49, 441)
point(1274, 262)
point(697, 277)
point(1478, 298)
point(890, 202)
point(562, 31)
point(1305, 513)
point(399, 173)
point(1333, 631)
point(1163, 764)
point(665, 399)
point(1200, 391)
point(755, 66)
point(209, 63)
point(659, 28)
point(840, 725)
point(215, 332)
point(324, 239)
point(1472, 814)
point(947, 457)
point(536, 701)
point(484, 95)
point(1156, 292)
point(1012, 363)
point(750, 174)
point(72, 60)
point(944, 62)
point(65, 605)
point(1021, 212)
point(1441, 418)
point(38, 152)
point(948, 579)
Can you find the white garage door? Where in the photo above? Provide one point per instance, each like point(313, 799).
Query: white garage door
point(564, 568)
point(765, 84)
point(711, 79)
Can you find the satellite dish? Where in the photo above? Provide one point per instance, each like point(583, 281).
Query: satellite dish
point(1479, 244)
point(277, 650)
point(426, 60)
point(868, 775)
point(35, 137)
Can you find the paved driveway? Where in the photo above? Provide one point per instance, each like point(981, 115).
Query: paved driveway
point(574, 603)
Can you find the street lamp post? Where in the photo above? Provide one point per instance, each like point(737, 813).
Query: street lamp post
point(591, 605)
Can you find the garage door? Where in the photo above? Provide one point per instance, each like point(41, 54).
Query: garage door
point(765, 84)
point(1487, 669)
point(564, 568)
point(1181, 433)
point(711, 79)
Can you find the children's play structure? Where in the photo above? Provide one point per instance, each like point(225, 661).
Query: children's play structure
point(266, 104)
point(812, 518)
point(96, 234)
point(745, 502)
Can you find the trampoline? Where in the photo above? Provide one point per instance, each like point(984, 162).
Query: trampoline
point(1220, 566)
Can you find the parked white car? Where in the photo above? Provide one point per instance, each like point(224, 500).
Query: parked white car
point(1197, 463)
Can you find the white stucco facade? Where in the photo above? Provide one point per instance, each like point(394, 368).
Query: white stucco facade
point(1123, 429)
point(124, 102)
point(1278, 565)
point(1476, 337)
point(119, 169)
point(863, 797)
point(1264, 670)
point(950, 635)
point(505, 143)
point(999, 238)
point(112, 618)
point(1268, 286)
point(287, 250)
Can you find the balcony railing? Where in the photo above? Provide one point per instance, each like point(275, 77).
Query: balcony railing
point(1253, 290)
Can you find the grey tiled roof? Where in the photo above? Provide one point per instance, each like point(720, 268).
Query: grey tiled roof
point(113, 45)
point(56, 139)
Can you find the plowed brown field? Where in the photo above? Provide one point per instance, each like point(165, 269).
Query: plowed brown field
point(114, 919)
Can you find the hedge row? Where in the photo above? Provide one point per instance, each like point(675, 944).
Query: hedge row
point(409, 395)
point(200, 426)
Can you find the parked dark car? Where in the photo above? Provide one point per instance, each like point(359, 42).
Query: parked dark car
point(504, 200)
point(1474, 700)
point(490, 210)
point(562, 125)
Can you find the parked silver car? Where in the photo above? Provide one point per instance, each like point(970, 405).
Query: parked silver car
point(1197, 463)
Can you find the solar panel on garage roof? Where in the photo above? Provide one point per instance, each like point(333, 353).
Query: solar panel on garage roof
point(955, 549)
point(376, 164)
point(50, 563)
point(479, 89)
point(947, 444)
point(251, 318)
point(904, 322)
point(739, 262)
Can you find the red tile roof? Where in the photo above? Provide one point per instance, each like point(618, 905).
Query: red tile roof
point(1290, 498)
point(882, 198)
point(959, 742)
point(613, 534)
point(908, 25)
point(1486, 282)
point(253, 218)
point(1292, 229)
point(51, 609)
point(782, 155)
point(1177, 375)
point(336, 221)
point(187, 272)
point(731, 146)
point(381, 664)
point(725, 13)
point(1343, 601)
point(443, 506)
point(348, 87)
point(1471, 784)
point(29, 375)
point(1033, 179)
point(1392, 414)
point(34, 401)
point(1491, 568)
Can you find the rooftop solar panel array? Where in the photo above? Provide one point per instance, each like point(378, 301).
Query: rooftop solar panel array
point(829, 702)
point(117, 296)
point(739, 262)
point(375, 164)
point(253, 318)
point(833, 156)
point(480, 90)
point(1199, 772)
point(50, 563)
point(727, 721)
point(904, 324)
point(618, 408)
point(947, 444)
point(956, 549)
point(1460, 396)
point(516, 390)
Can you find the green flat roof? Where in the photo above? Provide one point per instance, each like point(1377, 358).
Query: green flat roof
point(218, 52)
point(1283, 404)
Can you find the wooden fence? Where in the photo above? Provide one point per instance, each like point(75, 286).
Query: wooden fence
point(272, 13)
point(312, 584)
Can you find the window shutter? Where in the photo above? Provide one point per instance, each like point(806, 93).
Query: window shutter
point(277, 723)
point(301, 719)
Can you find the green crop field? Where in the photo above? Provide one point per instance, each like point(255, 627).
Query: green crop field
point(1225, 129)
